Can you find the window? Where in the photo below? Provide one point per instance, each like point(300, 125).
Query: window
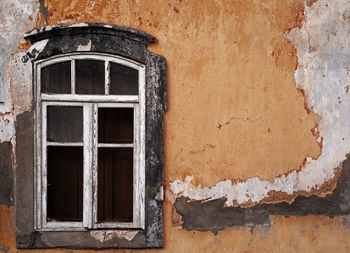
point(89, 155)
point(90, 142)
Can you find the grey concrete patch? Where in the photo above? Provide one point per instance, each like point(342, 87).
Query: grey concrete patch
point(4, 249)
point(346, 221)
point(24, 174)
point(213, 216)
point(6, 174)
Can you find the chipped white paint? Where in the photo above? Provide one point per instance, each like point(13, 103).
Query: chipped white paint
point(160, 194)
point(323, 47)
point(106, 235)
point(79, 25)
point(86, 47)
point(21, 83)
point(37, 48)
point(6, 123)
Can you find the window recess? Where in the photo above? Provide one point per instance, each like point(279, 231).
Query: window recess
point(90, 151)
point(90, 142)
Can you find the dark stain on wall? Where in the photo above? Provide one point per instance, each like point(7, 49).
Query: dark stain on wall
point(213, 216)
point(6, 174)
point(44, 10)
point(4, 249)
point(24, 188)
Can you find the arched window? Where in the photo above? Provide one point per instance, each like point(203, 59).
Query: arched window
point(99, 96)
point(90, 108)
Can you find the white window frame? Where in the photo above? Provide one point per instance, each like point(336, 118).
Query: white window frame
point(90, 104)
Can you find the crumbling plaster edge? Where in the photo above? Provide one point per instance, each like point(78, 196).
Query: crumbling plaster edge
point(315, 173)
point(106, 235)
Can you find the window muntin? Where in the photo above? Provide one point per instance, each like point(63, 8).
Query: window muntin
point(128, 147)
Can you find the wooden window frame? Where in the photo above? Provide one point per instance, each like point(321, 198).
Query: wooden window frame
point(90, 104)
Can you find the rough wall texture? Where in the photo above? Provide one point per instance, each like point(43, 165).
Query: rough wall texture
point(16, 18)
point(257, 111)
point(321, 46)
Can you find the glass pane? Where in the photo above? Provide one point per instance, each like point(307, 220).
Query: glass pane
point(64, 183)
point(115, 125)
point(124, 80)
point(56, 78)
point(115, 184)
point(90, 77)
point(65, 123)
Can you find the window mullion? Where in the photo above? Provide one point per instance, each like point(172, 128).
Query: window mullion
point(94, 170)
point(88, 156)
point(139, 153)
point(38, 151)
point(107, 77)
point(73, 76)
point(44, 166)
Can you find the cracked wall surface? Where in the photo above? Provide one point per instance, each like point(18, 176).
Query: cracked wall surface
point(16, 18)
point(257, 122)
point(322, 74)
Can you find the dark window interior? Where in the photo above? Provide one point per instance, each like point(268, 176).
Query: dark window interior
point(124, 80)
point(115, 165)
point(65, 163)
point(90, 77)
point(115, 125)
point(64, 183)
point(56, 78)
point(65, 123)
point(115, 184)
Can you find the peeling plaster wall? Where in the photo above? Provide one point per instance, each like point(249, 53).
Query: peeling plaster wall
point(323, 76)
point(16, 17)
point(258, 109)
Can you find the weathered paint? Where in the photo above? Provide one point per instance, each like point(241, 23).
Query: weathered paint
point(323, 75)
point(105, 235)
point(214, 216)
point(36, 49)
point(234, 109)
point(16, 17)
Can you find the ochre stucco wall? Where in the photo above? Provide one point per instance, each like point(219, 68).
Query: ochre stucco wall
point(231, 82)
point(234, 111)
